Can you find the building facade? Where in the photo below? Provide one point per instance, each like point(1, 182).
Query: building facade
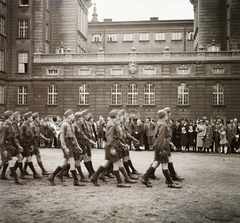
point(65, 62)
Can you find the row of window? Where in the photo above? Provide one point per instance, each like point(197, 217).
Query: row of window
point(117, 95)
point(159, 36)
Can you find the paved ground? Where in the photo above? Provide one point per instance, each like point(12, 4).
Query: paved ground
point(209, 193)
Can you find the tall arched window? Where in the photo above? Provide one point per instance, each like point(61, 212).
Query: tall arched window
point(116, 94)
point(218, 94)
point(132, 94)
point(149, 94)
point(183, 94)
point(52, 94)
point(84, 94)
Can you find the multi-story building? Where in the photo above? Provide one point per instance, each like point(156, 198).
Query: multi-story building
point(188, 65)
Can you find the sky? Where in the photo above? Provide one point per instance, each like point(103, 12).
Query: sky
point(133, 10)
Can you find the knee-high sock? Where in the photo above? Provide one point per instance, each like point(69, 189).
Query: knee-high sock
point(125, 164)
point(131, 165)
point(167, 176)
point(74, 174)
point(98, 172)
point(79, 169)
point(117, 175)
point(171, 169)
point(124, 173)
point(30, 164)
point(4, 169)
point(148, 173)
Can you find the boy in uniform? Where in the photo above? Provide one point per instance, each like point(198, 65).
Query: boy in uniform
point(70, 148)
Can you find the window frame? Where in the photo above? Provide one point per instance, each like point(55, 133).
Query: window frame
point(132, 94)
point(116, 94)
point(52, 96)
point(83, 98)
point(26, 67)
point(144, 37)
point(127, 37)
point(97, 38)
point(158, 36)
point(112, 37)
point(23, 31)
point(177, 36)
point(23, 95)
point(183, 95)
point(149, 94)
point(218, 95)
point(2, 25)
point(23, 5)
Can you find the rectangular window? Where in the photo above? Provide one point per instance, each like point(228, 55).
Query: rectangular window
point(2, 89)
point(22, 62)
point(112, 38)
point(218, 95)
point(160, 37)
point(183, 95)
point(176, 36)
point(2, 60)
point(84, 94)
point(22, 95)
point(116, 71)
point(84, 71)
point(52, 94)
point(189, 35)
point(23, 2)
point(96, 38)
point(127, 37)
point(149, 94)
point(149, 71)
point(143, 36)
point(2, 25)
point(23, 29)
point(132, 94)
point(116, 95)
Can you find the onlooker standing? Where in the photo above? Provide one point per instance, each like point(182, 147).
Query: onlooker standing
point(183, 139)
point(191, 139)
point(208, 137)
point(231, 132)
point(201, 131)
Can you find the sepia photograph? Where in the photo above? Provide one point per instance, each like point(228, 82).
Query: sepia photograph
point(119, 111)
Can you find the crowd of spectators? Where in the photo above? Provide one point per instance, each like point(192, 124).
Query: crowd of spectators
point(188, 135)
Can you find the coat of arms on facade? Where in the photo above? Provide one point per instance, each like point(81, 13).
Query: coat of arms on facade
point(132, 68)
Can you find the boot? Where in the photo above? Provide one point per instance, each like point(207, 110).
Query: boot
point(20, 166)
point(35, 174)
point(134, 171)
point(44, 172)
point(83, 178)
point(145, 177)
point(127, 178)
point(169, 180)
point(3, 174)
point(17, 180)
point(76, 182)
point(25, 169)
point(119, 180)
point(174, 175)
point(60, 173)
point(153, 176)
point(102, 176)
point(66, 172)
point(88, 167)
point(95, 176)
point(15, 167)
point(52, 175)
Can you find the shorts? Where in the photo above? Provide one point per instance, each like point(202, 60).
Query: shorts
point(10, 153)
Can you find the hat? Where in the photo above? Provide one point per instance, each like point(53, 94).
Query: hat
point(161, 113)
point(85, 112)
point(121, 112)
point(167, 109)
point(16, 114)
point(68, 112)
point(89, 116)
point(113, 113)
point(36, 114)
point(27, 115)
point(78, 114)
point(6, 114)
